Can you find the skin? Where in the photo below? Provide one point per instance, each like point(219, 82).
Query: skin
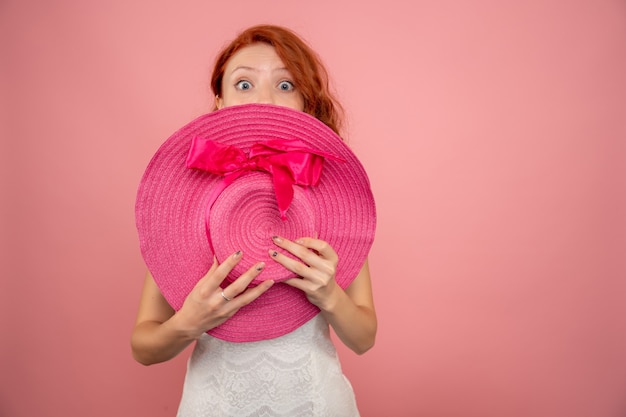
point(255, 74)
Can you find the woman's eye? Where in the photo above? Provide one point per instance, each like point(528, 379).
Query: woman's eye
point(286, 85)
point(243, 85)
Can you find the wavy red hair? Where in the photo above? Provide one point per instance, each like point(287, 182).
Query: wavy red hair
point(310, 75)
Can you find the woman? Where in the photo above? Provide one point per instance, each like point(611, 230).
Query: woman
point(294, 374)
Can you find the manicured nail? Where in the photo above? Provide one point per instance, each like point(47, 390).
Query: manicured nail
point(274, 254)
point(277, 239)
point(237, 254)
point(260, 267)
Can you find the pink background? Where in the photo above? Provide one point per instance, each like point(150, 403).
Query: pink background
point(494, 134)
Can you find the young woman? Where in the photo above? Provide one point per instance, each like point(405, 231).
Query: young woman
point(296, 374)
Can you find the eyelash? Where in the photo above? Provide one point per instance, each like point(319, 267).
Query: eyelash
point(292, 87)
point(239, 82)
point(242, 81)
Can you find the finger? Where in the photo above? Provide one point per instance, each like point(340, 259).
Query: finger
point(298, 283)
point(320, 246)
point(250, 294)
point(304, 249)
point(216, 274)
point(240, 285)
point(295, 265)
point(212, 269)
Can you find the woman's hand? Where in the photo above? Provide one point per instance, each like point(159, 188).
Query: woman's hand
point(351, 311)
point(316, 271)
point(208, 305)
point(160, 333)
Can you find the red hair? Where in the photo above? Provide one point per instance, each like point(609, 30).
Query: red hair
point(310, 75)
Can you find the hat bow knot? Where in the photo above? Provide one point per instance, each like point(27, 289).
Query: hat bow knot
point(290, 162)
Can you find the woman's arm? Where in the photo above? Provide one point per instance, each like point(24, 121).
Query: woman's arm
point(350, 312)
point(156, 336)
point(160, 333)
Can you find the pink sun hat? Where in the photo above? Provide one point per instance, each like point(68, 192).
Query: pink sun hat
point(231, 180)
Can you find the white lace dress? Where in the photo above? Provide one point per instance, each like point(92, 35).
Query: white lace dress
point(295, 375)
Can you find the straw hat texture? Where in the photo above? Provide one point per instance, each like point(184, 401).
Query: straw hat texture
point(231, 180)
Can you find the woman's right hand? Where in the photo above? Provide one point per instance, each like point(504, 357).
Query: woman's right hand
point(160, 333)
point(208, 305)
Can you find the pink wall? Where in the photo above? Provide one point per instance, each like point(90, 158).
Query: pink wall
point(494, 134)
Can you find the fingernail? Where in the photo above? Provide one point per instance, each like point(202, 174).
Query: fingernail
point(299, 241)
point(260, 267)
point(277, 239)
point(237, 254)
point(274, 254)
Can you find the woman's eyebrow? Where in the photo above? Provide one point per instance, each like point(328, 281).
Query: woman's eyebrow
point(243, 67)
point(247, 68)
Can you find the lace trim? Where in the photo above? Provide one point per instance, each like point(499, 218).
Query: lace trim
point(294, 375)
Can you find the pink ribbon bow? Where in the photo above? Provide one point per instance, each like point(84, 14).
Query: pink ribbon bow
point(288, 161)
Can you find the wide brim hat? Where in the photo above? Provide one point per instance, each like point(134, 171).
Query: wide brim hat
point(186, 216)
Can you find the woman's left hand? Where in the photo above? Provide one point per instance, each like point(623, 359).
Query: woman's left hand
point(351, 311)
point(316, 268)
